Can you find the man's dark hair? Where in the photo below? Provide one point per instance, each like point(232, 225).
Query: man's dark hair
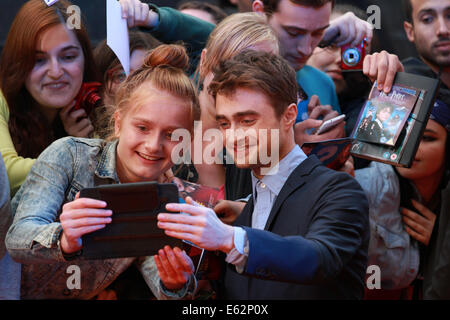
point(271, 6)
point(216, 12)
point(384, 106)
point(407, 9)
point(344, 8)
point(264, 72)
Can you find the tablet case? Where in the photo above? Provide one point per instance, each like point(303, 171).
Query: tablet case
point(133, 230)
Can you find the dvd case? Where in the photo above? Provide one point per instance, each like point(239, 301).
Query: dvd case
point(399, 144)
point(384, 115)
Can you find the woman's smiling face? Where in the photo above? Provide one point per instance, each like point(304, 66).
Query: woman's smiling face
point(57, 75)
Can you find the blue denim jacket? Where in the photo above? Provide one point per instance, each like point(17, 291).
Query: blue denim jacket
point(63, 169)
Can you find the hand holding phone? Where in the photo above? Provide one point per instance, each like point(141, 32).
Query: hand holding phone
point(329, 124)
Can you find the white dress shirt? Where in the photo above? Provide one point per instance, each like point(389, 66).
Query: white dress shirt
point(265, 192)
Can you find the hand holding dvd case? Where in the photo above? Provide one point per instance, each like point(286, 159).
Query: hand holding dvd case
point(395, 138)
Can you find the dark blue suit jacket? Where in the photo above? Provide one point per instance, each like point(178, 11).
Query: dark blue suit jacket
point(315, 242)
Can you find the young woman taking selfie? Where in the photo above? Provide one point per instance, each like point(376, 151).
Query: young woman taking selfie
point(50, 218)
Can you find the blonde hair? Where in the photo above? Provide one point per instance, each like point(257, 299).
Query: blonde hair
point(234, 34)
point(163, 69)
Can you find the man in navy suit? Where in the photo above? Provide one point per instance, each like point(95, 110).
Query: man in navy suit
point(304, 233)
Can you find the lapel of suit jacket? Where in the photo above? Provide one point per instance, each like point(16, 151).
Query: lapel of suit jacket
point(245, 218)
point(296, 179)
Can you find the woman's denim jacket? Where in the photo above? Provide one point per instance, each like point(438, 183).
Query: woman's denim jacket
point(61, 171)
point(390, 247)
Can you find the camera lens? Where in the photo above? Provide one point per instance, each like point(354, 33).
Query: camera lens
point(351, 57)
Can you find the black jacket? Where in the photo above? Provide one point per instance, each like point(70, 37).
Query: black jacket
point(417, 66)
point(436, 283)
point(315, 242)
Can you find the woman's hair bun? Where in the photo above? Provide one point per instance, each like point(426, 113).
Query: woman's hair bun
point(169, 55)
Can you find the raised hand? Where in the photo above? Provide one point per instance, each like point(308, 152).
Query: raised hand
point(348, 29)
point(138, 14)
point(76, 122)
point(419, 226)
point(382, 67)
point(174, 267)
point(315, 110)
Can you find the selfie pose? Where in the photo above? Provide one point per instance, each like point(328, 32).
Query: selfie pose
point(50, 218)
point(304, 232)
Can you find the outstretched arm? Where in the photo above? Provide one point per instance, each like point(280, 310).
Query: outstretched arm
point(169, 25)
point(336, 232)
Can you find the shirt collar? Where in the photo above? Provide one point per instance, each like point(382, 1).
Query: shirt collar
point(275, 182)
point(106, 167)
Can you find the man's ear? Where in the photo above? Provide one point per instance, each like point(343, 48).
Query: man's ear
point(258, 6)
point(290, 115)
point(409, 30)
point(117, 123)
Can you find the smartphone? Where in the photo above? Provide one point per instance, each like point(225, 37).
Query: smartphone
point(329, 124)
